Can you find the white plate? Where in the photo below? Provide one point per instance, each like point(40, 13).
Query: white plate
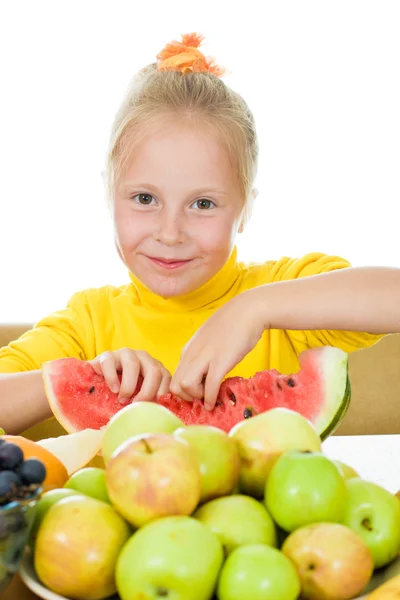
point(30, 579)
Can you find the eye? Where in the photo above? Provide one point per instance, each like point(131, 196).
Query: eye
point(204, 204)
point(144, 199)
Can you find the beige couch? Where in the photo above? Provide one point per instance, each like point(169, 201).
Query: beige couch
point(374, 376)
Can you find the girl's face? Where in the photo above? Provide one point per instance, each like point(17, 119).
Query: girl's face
point(177, 209)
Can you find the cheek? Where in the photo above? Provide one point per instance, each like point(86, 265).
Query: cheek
point(128, 226)
point(217, 234)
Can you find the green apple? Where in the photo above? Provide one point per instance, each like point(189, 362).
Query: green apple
point(305, 487)
point(333, 562)
point(347, 471)
point(77, 547)
point(238, 520)
point(263, 438)
point(134, 419)
point(173, 557)
point(42, 506)
point(90, 481)
point(153, 475)
point(218, 457)
point(258, 572)
point(374, 513)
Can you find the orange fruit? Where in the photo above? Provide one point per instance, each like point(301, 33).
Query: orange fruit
point(56, 473)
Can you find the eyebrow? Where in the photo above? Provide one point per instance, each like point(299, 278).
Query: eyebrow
point(149, 186)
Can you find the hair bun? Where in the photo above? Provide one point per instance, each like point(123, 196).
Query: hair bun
point(185, 57)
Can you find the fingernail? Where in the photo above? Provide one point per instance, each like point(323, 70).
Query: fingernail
point(115, 388)
point(122, 400)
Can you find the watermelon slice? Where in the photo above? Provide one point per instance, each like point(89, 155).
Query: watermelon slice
point(320, 391)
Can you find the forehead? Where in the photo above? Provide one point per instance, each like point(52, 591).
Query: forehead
point(182, 149)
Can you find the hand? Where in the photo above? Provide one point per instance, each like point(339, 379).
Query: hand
point(132, 364)
point(219, 345)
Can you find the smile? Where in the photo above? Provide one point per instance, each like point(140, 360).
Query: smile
point(169, 264)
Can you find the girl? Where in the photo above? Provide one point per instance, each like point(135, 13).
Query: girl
point(181, 167)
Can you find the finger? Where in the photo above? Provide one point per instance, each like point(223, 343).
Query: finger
point(189, 386)
point(164, 386)
point(152, 377)
point(176, 389)
point(211, 389)
point(96, 365)
point(109, 365)
point(130, 365)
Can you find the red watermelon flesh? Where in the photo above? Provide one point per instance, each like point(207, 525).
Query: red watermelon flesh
point(320, 391)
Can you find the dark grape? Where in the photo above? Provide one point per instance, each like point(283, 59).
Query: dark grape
point(32, 470)
point(11, 456)
point(9, 481)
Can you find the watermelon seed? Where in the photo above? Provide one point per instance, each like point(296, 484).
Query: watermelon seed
point(91, 390)
point(291, 382)
point(279, 385)
point(247, 413)
point(218, 402)
point(232, 397)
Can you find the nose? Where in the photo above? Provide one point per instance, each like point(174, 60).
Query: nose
point(170, 229)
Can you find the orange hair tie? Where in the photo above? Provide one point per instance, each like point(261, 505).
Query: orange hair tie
point(185, 57)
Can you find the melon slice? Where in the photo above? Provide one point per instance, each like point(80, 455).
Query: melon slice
point(75, 450)
point(320, 391)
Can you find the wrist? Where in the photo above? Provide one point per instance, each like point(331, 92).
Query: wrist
point(263, 306)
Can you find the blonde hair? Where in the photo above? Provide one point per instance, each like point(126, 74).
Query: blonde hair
point(200, 97)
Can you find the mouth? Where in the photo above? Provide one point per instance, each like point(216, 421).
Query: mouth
point(169, 263)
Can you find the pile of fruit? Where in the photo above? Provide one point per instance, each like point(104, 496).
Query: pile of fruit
point(191, 512)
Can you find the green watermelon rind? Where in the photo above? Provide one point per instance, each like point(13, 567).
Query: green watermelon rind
point(338, 417)
point(337, 391)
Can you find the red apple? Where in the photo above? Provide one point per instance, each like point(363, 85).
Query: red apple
point(153, 475)
point(333, 562)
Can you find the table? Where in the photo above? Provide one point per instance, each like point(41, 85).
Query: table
point(375, 457)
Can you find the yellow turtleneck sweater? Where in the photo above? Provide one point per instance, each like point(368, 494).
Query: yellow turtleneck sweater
point(131, 316)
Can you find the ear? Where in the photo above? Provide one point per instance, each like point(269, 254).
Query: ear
point(247, 210)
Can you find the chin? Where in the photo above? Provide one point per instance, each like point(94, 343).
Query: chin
point(170, 286)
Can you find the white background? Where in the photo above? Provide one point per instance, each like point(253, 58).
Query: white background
point(322, 78)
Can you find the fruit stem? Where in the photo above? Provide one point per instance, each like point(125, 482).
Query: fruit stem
point(147, 446)
point(367, 524)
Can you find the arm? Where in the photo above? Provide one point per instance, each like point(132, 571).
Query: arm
point(356, 299)
point(68, 332)
point(23, 401)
